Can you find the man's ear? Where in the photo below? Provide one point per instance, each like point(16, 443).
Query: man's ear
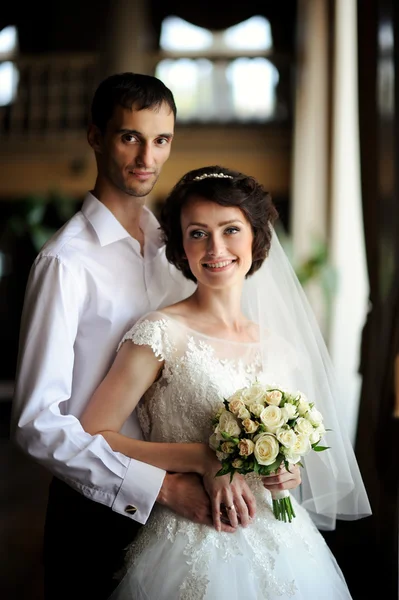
point(94, 137)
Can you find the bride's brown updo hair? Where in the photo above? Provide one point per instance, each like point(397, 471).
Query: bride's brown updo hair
point(226, 188)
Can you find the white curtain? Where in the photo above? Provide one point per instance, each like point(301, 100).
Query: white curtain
point(310, 141)
point(331, 213)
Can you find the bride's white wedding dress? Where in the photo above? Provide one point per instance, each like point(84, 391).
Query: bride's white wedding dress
point(175, 559)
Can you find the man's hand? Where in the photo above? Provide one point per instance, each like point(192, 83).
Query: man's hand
point(283, 480)
point(185, 495)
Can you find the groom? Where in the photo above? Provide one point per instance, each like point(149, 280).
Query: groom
point(88, 285)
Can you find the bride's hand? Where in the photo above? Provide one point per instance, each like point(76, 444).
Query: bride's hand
point(232, 500)
point(283, 479)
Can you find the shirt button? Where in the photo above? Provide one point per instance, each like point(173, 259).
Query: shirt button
point(130, 509)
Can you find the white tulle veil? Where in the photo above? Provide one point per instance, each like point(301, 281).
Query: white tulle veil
point(332, 486)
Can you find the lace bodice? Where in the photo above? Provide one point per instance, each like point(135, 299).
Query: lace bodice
point(198, 373)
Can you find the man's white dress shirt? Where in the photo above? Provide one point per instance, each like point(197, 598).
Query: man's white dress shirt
point(86, 288)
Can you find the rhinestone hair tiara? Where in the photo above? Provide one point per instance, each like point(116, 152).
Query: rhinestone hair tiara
point(206, 175)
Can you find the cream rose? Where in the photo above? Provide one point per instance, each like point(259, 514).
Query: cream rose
point(237, 463)
point(266, 449)
point(304, 426)
point(229, 424)
point(249, 425)
point(227, 447)
point(274, 397)
point(272, 418)
point(289, 411)
point(236, 405)
point(246, 447)
point(287, 437)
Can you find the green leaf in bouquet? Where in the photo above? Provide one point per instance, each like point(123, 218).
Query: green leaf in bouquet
point(229, 438)
point(273, 467)
point(320, 448)
point(226, 468)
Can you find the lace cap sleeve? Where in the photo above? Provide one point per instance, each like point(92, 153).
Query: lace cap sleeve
point(151, 330)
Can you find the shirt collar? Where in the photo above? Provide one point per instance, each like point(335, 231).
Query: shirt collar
point(108, 228)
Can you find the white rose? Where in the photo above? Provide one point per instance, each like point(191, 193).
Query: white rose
point(290, 455)
point(272, 418)
point(237, 463)
point(302, 445)
point(250, 426)
point(214, 441)
point(315, 417)
point(314, 437)
point(266, 449)
point(304, 426)
point(287, 437)
point(289, 411)
point(238, 395)
point(317, 434)
point(303, 405)
point(244, 413)
point(236, 405)
point(256, 409)
point(254, 395)
point(229, 424)
point(274, 397)
point(246, 447)
point(221, 456)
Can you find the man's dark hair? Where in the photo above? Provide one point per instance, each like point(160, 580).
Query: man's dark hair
point(237, 190)
point(128, 90)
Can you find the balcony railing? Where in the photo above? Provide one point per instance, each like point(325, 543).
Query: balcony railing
point(52, 97)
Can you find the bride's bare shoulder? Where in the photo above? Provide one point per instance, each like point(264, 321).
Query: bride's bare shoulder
point(179, 310)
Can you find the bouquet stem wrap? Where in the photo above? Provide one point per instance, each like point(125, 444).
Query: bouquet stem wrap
point(282, 506)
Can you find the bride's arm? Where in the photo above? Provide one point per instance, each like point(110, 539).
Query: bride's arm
point(134, 370)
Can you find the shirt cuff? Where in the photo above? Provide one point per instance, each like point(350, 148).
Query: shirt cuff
point(139, 491)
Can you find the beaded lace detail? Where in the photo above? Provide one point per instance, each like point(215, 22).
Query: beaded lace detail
point(196, 376)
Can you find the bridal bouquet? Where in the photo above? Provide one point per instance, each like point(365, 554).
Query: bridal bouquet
point(261, 427)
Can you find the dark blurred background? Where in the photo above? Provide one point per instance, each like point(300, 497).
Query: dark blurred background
point(302, 94)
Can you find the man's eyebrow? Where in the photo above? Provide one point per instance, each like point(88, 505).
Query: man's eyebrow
point(140, 135)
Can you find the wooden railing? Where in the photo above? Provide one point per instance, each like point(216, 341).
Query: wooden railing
point(52, 98)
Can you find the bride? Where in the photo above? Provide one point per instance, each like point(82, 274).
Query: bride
point(175, 367)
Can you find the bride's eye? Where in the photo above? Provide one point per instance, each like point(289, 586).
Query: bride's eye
point(231, 230)
point(197, 234)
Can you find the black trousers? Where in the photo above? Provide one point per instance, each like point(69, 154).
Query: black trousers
point(84, 544)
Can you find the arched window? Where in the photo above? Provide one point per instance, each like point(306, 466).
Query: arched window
point(223, 76)
point(9, 74)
